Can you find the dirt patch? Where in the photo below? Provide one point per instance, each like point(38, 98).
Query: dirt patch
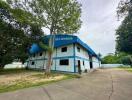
point(32, 77)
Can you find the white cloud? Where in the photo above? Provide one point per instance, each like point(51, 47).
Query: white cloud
point(99, 24)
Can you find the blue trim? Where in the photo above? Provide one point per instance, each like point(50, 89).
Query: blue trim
point(63, 57)
point(82, 58)
point(74, 58)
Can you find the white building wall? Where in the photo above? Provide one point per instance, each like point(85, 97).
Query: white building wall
point(83, 53)
point(41, 61)
point(69, 68)
point(39, 64)
point(96, 62)
point(83, 67)
point(64, 54)
point(82, 56)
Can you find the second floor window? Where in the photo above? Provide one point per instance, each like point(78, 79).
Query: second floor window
point(78, 49)
point(64, 49)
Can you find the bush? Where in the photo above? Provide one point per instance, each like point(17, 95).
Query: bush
point(127, 60)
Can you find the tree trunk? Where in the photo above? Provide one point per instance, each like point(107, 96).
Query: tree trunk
point(50, 53)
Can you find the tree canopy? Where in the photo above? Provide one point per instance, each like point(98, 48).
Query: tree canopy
point(16, 34)
point(124, 32)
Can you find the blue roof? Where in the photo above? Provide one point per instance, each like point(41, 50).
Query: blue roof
point(62, 40)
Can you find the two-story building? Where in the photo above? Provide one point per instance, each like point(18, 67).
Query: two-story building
point(70, 55)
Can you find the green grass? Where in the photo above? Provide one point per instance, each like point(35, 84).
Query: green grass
point(12, 71)
point(129, 69)
point(20, 84)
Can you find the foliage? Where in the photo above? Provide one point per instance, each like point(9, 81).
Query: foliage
point(113, 59)
point(13, 44)
point(110, 59)
point(124, 8)
point(126, 60)
point(124, 36)
point(17, 32)
point(124, 32)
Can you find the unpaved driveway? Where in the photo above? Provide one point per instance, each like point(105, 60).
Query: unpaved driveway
point(103, 84)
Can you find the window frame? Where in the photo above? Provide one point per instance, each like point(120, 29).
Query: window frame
point(64, 49)
point(63, 63)
point(78, 49)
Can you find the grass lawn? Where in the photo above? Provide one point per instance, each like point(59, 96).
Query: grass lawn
point(14, 79)
point(129, 69)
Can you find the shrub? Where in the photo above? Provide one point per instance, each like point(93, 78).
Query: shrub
point(127, 60)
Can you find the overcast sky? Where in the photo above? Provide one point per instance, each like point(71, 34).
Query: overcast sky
point(99, 24)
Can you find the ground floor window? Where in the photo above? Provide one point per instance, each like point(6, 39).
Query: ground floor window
point(64, 62)
point(32, 63)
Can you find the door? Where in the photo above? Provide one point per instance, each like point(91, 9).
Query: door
point(91, 65)
point(79, 67)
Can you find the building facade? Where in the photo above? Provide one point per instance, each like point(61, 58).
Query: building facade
point(70, 55)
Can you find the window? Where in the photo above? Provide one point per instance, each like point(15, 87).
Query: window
point(64, 49)
point(64, 62)
point(32, 63)
point(41, 54)
point(78, 49)
point(83, 63)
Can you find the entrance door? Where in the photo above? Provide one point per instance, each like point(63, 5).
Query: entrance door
point(91, 65)
point(79, 67)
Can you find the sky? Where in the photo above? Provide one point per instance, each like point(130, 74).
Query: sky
point(99, 24)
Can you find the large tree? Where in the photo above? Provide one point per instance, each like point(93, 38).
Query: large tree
point(16, 33)
point(124, 8)
point(58, 16)
point(124, 36)
point(124, 32)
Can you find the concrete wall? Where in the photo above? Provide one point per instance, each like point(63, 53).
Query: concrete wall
point(41, 61)
point(83, 57)
point(111, 65)
point(96, 62)
point(83, 53)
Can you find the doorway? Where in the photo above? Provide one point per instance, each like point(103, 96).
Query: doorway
point(79, 67)
point(91, 65)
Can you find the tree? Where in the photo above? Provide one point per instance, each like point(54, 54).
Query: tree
point(124, 36)
point(61, 16)
point(124, 32)
point(114, 59)
point(110, 59)
point(15, 35)
point(124, 8)
point(58, 16)
point(126, 60)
